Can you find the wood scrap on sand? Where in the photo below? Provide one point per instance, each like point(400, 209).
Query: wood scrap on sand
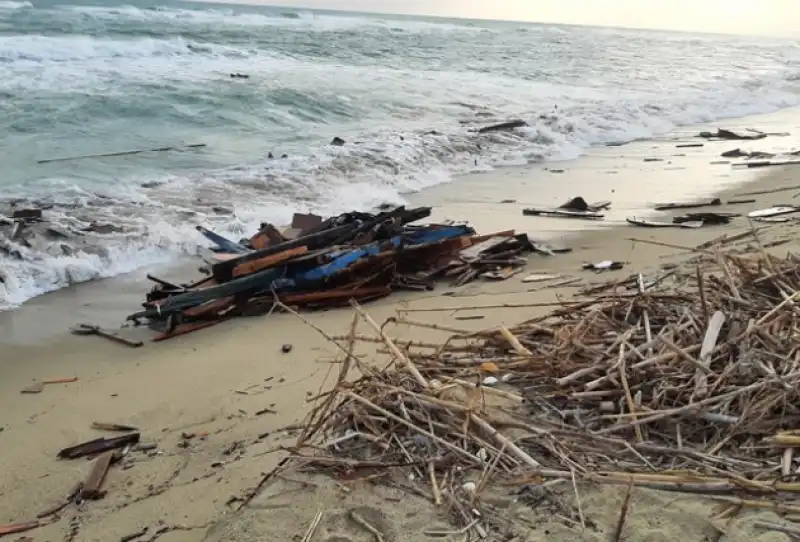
point(690, 385)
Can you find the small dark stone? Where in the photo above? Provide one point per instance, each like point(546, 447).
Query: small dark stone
point(338, 142)
point(284, 156)
point(286, 348)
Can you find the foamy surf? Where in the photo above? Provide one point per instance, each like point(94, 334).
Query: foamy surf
point(407, 95)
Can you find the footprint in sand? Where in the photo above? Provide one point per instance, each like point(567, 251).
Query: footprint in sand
point(357, 525)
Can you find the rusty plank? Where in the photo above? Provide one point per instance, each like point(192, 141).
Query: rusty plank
point(268, 261)
point(183, 329)
point(14, 528)
point(93, 486)
point(331, 295)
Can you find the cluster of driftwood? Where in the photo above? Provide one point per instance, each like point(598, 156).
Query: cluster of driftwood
point(325, 263)
point(691, 386)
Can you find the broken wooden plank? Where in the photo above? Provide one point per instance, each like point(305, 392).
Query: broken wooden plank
point(183, 329)
point(98, 446)
point(474, 252)
point(101, 426)
point(332, 295)
point(93, 486)
point(510, 125)
point(14, 528)
point(305, 222)
point(502, 273)
point(37, 387)
point(222, 271)
point(268, 261)
point(27, 214)
point(711, 202)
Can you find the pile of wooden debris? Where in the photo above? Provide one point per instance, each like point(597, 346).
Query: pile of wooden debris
point(690, 386)
point(325, 263)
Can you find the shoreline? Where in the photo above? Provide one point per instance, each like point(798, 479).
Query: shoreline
point(216, 382)
point(604, 173)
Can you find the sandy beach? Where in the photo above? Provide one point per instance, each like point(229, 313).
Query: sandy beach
point(195, 397)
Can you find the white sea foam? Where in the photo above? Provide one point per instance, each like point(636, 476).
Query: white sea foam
point(408, 113)
point(11, 5)
point(304, 20)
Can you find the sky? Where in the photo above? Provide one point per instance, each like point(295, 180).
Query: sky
point(763, 17)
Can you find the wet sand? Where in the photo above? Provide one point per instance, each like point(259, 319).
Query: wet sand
point(216, 383)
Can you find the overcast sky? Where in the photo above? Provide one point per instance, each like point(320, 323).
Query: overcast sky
point(776, 17)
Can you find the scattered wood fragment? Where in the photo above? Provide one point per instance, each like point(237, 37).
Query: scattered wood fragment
point(712, 202)
point(116, 427)
point(312, 528)
point(723, 134)
point(133, 536)
point(504, 126)
point(90, 329)
point(623, 514)
point(93, 486)
point(26, 214)
point(121, 153)
point(98, 446)
point(37, 387)
point(14, 528)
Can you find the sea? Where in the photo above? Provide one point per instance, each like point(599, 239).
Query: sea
point(236, 107)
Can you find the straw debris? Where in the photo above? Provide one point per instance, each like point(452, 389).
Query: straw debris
point(687, 385)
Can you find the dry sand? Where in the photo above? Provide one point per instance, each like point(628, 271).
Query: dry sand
point(216, 383)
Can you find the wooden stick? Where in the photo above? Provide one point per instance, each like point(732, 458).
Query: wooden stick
point(624, 377)
point(313, 527)
point(413, 427)
point(501, 306)
point(690, 407)
point(623, 513)
point(437, 495)
point(398, 355)
point(514, 342)
point(120, 153)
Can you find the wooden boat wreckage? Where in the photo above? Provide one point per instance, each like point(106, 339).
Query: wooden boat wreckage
point(574, 208)
point(319, 264)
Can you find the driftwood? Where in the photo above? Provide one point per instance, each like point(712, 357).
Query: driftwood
point(688, 385)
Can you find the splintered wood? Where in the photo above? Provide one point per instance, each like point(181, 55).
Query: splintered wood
point(691, 385)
